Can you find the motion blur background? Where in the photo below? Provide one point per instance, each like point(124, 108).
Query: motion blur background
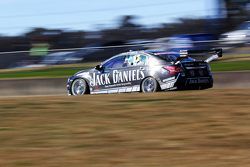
point(44, 33)
point(43, 42)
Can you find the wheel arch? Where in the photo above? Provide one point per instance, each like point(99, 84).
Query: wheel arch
point(157, 82)
point(87, 84)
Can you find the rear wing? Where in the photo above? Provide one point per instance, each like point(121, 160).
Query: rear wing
point(209, 55)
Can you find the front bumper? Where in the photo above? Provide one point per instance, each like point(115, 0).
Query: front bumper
point(69, 83)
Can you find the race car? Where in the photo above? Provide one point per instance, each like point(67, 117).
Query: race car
point(145, 71)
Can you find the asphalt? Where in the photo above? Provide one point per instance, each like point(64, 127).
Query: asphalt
point(57, 86)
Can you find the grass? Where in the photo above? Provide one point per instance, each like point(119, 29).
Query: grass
point(48, 72)
point(45, 72)
point(230, 65)
point(68, 70)
point(187, 128)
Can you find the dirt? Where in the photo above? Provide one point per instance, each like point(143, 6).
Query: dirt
point(188, 128)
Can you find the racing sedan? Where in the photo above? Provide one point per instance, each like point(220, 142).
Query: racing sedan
point(145, 71)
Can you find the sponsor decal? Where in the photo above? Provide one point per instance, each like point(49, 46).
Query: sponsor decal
point(119, 84)
point(198, 80)
point(116, 77)
point(168, 85)
point(168, 79)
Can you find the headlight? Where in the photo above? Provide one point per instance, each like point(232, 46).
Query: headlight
point(69, 79)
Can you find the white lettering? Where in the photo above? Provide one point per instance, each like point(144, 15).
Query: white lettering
point(129, 75)
point(107, 80)
point(142, 75)
point(118, 77)
point(115, 79)
point(98, 80)
point(133, 75)
point(125, 75)
point(102, 79)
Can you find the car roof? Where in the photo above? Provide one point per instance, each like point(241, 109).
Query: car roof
point(161, 52)
point(155, 53)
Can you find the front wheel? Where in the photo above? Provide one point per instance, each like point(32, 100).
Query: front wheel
point(79, 87)
point(149, 85)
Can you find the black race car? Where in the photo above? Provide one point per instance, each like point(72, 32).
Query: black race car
point(145, 71)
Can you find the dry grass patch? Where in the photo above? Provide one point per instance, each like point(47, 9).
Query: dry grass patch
point(188, 128)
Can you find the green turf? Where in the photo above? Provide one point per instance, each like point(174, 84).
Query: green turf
point(50, 72)
point(230, 66)
point(68, 71)
point(45, 72)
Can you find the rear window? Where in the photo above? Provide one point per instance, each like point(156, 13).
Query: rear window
point(173, 58)
point(168, 58)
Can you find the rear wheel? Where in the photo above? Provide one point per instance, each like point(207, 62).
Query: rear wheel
point(79, 87)
point(149, 85)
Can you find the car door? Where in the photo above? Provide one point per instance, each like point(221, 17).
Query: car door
point(106, 79)
point(136, 64)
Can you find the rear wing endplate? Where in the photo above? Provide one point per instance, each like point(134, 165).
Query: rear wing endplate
point(214, 54)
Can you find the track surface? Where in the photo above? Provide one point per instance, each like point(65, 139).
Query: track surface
point(57, 86)
point(188, 128)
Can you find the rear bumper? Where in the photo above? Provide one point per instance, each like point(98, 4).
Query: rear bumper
point(184, 83)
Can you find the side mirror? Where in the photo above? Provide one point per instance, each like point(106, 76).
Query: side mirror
point(99, 67)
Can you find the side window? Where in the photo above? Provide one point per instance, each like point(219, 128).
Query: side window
point(117, 62)
point(135, 60)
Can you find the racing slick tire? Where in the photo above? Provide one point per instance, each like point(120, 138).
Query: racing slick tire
point(149, 85)
point(79, 87)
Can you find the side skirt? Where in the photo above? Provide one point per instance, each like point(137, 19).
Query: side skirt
point(135, 88)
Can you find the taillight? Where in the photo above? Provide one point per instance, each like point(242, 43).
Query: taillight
point(173, 69)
